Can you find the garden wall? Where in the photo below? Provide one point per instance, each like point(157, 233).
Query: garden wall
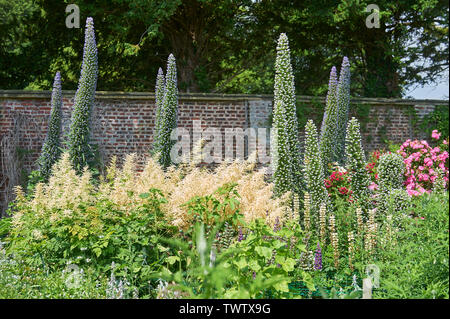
point(123, 122)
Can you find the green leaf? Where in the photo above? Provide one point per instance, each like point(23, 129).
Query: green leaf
point(253, 264)
point(281, 286)
point(264, 251)
point(172, 259)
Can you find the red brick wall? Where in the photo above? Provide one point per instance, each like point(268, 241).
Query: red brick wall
point(123, 122)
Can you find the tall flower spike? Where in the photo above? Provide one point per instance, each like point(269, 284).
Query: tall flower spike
point(313, 168)
point(169, 112)
point(329, 122)
point(79, 135)
point(285, 117)
point(282, 170)
point(51, 149)
point(356, 161)
point(159, 97)
point(343, 106)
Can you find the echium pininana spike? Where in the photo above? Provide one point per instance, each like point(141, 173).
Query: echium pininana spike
point(343, 102)
point(356, 161)
point(313, 168)
point(285, 117)
point(169, 113)
point(159, 96)
point(329, 122)
point(51, 150)
point(282, 168)
point(79, 149)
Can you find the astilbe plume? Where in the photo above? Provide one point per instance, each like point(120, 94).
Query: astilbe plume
point(159, 97)
point(179, 185)
point(51, 150)
point(169, 117)
point(343, 106)
point(285, 119)
point(79, 135)
point(356, 161)
point(329, 126)
point(313, 168)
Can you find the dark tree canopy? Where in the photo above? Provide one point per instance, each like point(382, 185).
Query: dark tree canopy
point(226, 46)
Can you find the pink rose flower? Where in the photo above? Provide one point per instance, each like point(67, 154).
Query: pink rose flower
point(435, 135)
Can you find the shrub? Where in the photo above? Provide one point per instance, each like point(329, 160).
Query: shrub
point(422, 164)
point(80, 150)
point(284, 118)
point(51, 150)
point(391, 171)
point(393, 201)
point(356, 161)
point(338, 185)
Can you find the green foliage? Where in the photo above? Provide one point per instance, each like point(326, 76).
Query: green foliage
point(394, 202)
point(391, 170)
point(256, 267)
point(356, 161)
point(80, 150)
point(168, 113)
point(286, 155)
point(51, 150)
point(436, 120)
point(96, 236)
point(417, 265)
point(313, 167)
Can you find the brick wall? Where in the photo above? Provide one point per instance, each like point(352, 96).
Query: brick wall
point(123, 122)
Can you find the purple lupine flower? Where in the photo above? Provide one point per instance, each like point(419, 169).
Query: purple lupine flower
point(277, 225)
point(254, 275)
point(241, 235)
point(318, 258)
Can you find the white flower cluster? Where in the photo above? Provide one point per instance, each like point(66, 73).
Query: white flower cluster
point(79, 135)
point(285, 150)
point(51, 150)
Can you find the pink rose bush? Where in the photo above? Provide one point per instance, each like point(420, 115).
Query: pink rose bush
point(424, 163)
